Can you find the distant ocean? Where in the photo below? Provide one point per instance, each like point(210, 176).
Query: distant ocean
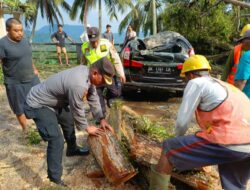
point(43, 35)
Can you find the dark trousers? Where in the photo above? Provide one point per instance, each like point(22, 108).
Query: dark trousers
point(109, 92)
point(188, 152)
point(47, 122)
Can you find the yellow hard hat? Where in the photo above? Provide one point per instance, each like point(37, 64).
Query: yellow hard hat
point(194, 63)
point(244, 29)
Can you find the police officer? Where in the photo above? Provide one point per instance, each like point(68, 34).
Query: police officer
point(96, 49)
point(47, 104)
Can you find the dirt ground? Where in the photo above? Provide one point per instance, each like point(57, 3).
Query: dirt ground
point(23, 166)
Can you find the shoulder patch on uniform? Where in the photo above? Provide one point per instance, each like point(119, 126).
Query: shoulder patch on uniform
point(103, 48)
point(87, 51)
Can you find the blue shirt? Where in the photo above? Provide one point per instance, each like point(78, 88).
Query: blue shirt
point(243, 71)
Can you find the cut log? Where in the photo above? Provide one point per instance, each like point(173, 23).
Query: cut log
point(93, 169)
point(111, 159)
point(115, 120)
point(145, 151)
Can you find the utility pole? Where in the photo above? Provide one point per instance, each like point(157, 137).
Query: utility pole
point(154, 17)
point(100, 16)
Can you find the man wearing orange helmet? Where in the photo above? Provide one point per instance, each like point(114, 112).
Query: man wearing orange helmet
point(223, 114)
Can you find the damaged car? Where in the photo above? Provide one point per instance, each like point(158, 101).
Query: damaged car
point(155, 62)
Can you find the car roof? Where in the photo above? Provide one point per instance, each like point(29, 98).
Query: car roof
point(164, 38)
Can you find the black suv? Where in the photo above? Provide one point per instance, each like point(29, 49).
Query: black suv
point(155, 62)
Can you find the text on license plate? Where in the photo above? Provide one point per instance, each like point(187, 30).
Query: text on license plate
point(159, 70)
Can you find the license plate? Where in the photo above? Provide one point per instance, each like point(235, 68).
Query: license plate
point(159, 70)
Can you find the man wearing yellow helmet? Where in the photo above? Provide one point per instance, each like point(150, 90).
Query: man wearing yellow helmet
point(223, 115)
point(234, 56)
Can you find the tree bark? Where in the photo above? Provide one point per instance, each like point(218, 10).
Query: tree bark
point(85, 15)
point(93, 169)
point(115, 120)
point(238, 3)
point(111, 159)
point(100, 16)
point(34, 24)
point(154, 17)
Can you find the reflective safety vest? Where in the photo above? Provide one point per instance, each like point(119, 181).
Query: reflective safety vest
point(229, 122)
point(92, 55)
point(237, 55)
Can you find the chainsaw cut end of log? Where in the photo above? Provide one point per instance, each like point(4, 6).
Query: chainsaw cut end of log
point(111, 159)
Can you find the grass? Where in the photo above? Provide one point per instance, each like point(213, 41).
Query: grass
point(33, 137)
point(46, 70)
point(117, 104)
point(151, 129)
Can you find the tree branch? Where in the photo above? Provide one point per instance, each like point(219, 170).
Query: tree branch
point(238, 3)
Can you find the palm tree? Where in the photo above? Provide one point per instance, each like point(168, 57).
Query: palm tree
point(83, 6)
point(112, 6)
point(48, 8)
point(142, 16)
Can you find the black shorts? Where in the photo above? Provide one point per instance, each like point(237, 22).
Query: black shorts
point(17, 93)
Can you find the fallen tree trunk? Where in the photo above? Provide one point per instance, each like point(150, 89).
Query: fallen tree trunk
point(111, 159)
point(146, 152)
point(143, 151)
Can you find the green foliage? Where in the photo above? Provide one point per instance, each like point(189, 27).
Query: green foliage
point(204, 23)
point(50, 9)
point(117, 104)
point(112, 7)
point(151, 129)
point(140, 17)
point(27, 8)
point(33, 137)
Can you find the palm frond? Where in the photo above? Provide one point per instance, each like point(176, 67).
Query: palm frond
point(77, 4)
point(66, 7)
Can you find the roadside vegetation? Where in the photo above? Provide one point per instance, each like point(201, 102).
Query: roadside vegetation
point(152, 129)
point(33, 137)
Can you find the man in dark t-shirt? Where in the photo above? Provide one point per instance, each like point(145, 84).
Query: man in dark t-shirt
point(108, 34)
point(59, 38)
point(19, 72)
